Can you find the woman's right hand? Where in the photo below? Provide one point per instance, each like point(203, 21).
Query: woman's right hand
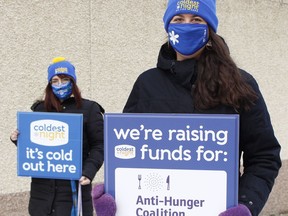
point(14, 135)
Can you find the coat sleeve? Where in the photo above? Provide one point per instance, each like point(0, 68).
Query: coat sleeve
point(94, 131)
point(261, 155)
point(13, 141)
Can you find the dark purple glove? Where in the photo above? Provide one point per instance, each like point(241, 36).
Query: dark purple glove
point(104, 204)
point(240, 210)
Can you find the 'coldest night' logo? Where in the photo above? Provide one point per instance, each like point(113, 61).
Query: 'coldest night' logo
point(49, 132)
point(125, 151)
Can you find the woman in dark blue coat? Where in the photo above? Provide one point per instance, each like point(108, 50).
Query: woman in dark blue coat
point(170, 89)
point(53, 196)
point(196, 74)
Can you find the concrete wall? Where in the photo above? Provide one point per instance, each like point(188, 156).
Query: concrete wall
point(111, 43)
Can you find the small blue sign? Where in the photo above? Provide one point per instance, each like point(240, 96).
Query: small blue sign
point(172, 164)
point(50, 145)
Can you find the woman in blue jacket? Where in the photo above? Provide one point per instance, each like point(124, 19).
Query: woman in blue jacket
point(54, 196)
point(196, 74)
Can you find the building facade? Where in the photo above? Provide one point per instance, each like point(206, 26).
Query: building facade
point(111, 43)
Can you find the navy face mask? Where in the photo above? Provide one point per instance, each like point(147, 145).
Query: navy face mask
point(62, 91)
point(187, 38)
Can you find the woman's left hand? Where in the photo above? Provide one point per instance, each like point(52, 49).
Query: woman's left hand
point(84, 180)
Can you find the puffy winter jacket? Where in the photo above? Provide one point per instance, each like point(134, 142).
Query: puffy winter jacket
point(167, 89)
point(54, 197)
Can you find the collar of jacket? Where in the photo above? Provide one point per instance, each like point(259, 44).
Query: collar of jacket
point(70, 100)
point(184, 72)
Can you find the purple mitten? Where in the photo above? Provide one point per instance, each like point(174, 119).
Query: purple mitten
point(240, 210)
point(104, 204)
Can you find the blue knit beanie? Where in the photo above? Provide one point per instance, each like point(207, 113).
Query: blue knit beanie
point(206, 9)
point(61, 66)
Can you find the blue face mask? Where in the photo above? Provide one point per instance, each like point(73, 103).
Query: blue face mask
point(187, 38)
point(62, 91)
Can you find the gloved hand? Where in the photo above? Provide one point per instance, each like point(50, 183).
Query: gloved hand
point(240, 210)
point(104, 203)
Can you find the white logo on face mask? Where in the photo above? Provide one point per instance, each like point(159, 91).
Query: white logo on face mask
point(173, 37)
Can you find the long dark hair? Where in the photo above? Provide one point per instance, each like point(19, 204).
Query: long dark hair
point(219, 80)
point(52, 103)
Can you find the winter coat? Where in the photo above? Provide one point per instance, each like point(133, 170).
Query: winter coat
point(54, 197)
point(167, 89)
